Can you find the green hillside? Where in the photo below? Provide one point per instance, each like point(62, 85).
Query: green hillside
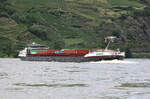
point(74, 24)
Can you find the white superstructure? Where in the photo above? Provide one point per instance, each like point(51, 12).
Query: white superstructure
point(105, 53)
point(23, 53)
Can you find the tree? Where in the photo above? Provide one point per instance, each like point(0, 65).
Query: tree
point(6, 9)
point(39, 31)
point(59, 44)
point(128, 53)
point(2, 1)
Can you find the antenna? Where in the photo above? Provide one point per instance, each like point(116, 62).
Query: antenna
point(109, 39)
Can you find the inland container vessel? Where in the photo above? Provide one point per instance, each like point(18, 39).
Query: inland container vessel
point(38, 52)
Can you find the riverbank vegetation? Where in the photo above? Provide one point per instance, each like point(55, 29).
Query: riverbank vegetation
point(74, 24)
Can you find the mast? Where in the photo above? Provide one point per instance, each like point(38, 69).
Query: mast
point(109, 39)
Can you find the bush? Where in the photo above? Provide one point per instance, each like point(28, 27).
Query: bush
point(144, 12)
point(57, 12)
point(123, 16)
point(4, 14)
point(128, 53)
point(25, 18)
point(59, 44)
point(39, 31)
point(2, 1)
point(6, 9)
point(116, 33)
point(8, 48)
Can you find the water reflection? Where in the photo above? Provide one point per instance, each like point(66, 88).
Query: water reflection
point(3, 75)
point(52, 85)
point(135, 85)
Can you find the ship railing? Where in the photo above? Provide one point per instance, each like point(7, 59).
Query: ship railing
point(38, 48)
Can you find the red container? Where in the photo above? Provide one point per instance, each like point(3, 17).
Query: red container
point(51, 51)
point(42, 52)
point(82, 51)
point(69, 51)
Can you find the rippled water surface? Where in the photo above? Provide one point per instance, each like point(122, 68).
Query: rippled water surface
point(127, 79)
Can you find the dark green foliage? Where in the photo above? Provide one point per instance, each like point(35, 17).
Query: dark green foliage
point(116, 33)
point(59, 44)
point(144, 12)
point(6, 9)
point(130, 36)
point(128, 53)
point(116, 8)
point(57, 12)
point(7, 48)
point(2, 1)
point(39, 31)
point(25, 18)
point(123, 16)
point(73, 24)
point(146, 2)
point(141, 55)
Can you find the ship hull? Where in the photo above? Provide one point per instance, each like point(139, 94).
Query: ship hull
point(69, 59)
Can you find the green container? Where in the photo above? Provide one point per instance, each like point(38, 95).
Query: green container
point(33, 51)
point(57, 52)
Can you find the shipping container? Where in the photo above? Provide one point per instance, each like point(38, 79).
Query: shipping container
point(57, 51)
point(51, 51)
point(68, 51)
point(42, 52)
point(33, 51)
point(46, 52)
point(82, 51)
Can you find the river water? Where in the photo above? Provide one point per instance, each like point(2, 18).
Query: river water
point(127, 79)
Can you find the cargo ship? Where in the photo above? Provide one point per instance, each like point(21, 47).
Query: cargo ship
point(38, 52)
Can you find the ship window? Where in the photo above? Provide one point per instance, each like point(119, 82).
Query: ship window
point(92, 51)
